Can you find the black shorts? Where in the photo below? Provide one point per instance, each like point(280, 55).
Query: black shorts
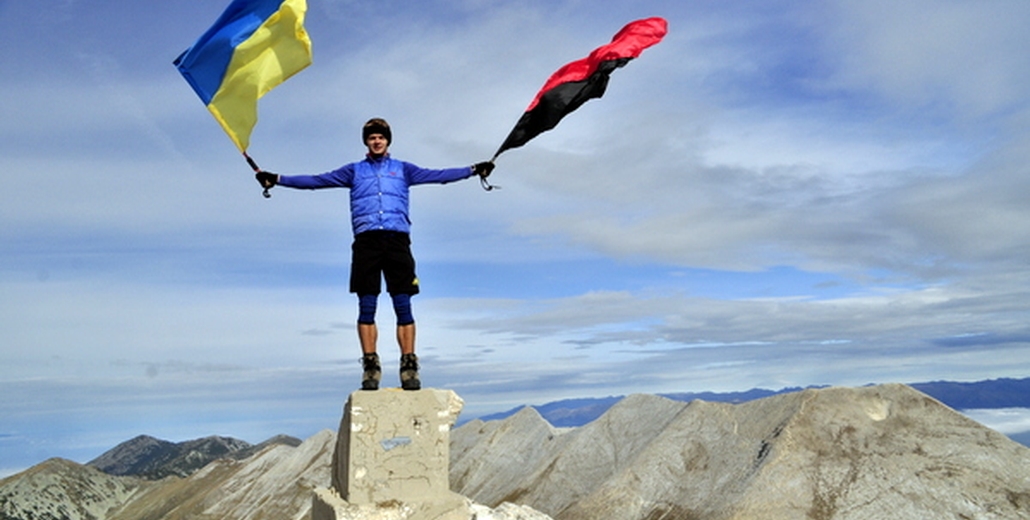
point(382, 254)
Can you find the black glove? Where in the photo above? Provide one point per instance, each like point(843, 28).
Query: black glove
point(266, 179)
point(483, 169)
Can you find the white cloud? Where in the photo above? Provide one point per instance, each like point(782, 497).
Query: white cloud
point(961, 58)
point(1004, 420)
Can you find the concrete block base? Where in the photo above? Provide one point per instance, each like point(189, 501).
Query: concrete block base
point(392, 459)
point(328, 505)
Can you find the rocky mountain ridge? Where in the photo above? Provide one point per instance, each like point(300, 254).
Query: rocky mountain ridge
point(275, 483)
point(829, 454)
point(59, 489)
point(887, 451)
point(987, 394)
point(153, 459)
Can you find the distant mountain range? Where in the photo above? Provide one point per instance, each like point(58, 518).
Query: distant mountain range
point(991, 394)
point(154, 459)
point(275, 481)
point(885, 451)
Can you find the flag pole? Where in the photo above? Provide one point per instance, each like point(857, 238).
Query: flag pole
point(254, 166)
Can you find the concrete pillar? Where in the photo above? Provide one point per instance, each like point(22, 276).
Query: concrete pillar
point(393, 451)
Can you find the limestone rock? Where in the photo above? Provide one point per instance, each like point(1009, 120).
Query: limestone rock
point(488, 459)
point(59, 488)
point(507, 511)
point(276, 483)
point(327, 504)
point(831, 454)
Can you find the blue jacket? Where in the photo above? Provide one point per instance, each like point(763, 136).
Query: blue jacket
point(378, 189)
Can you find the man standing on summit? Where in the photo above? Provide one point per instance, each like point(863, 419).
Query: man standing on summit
point(382, 245)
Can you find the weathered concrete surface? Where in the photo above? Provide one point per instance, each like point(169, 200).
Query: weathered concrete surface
point(395, 445)
point(392, 459)
point(392, 462)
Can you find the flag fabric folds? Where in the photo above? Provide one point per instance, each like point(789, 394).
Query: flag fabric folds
point(253, 47)
point(582, 80)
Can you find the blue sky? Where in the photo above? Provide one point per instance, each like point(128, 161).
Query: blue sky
point(781, 193)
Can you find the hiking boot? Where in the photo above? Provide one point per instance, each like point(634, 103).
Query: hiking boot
point(373, 373)
point(409, 372)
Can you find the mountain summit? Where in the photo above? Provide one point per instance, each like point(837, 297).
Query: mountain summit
point(150, 458)
point(877, 452)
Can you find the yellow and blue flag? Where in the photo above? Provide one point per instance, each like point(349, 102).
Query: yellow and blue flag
point(253, 47)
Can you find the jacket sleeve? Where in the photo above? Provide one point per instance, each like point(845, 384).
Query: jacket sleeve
point(417, 175)
point(342, 177)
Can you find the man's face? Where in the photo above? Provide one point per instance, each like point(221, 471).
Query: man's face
point(377, 144)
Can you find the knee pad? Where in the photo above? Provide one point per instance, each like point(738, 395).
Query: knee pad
point(367, 308)
point(402, 307)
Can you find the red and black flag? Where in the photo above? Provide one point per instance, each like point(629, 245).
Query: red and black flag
point(582, 80)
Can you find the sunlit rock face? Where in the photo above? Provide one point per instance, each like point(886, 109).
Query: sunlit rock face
point(837, 453)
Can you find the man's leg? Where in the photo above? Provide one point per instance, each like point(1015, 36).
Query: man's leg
point(406, 338)
point(368, 335)
point(372, 371)
point(402, 284)
point(406, 341)
point(405, 322)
